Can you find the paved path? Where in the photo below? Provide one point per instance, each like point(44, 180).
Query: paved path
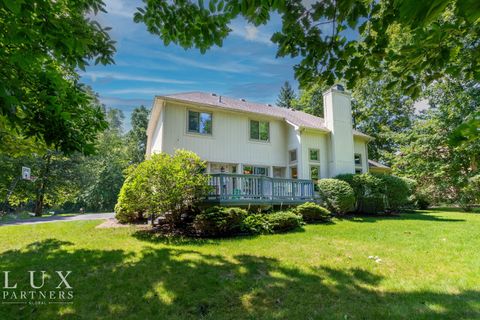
point(80, 217)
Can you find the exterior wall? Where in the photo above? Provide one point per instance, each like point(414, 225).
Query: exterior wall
point(314, 140)
point(338, 118)
point(360, 146)
point(230, 141)
point(294, 143)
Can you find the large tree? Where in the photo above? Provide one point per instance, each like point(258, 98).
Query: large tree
point(442, 169)
point(42, 44)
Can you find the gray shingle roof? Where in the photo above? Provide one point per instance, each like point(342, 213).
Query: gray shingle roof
point(375, 164)
point(298, 118)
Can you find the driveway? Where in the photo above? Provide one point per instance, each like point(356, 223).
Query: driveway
point(80, 217)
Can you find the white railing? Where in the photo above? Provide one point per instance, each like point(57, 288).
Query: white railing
point(254, 187)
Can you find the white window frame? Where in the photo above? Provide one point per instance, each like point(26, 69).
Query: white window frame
point(290, 155)
point(318, 153)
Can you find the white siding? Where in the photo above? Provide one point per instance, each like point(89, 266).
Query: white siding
point(360, 147)
point(314, 140)
point(230, 140)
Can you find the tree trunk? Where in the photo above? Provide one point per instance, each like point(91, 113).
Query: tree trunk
point(43, 183)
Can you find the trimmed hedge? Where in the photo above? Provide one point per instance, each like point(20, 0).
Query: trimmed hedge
point(396, 190)
point(338, 196)
point(219, 221)
point(283, 221)
point(312, 212)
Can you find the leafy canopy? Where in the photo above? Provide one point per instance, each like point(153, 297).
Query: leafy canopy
point(410, 39)
point(42, 43)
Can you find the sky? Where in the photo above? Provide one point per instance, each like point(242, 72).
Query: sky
point(244, 67)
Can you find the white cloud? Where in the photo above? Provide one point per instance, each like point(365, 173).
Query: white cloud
point(251, 33)
point(94, 75)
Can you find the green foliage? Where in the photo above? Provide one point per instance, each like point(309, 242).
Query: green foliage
point(383, 113)
point(42, 44)
point(396, 191)
point(369, 192)
point(407, 39)
point(284, 221)
point(257, 224)
point(220, 221)
point(470, 194)
point(286, 96)
point(167, 184)
point(311, 100)
point(338, 196)
point(137, 136)
point(426, 154)
point(130, 208)
point(312, 212)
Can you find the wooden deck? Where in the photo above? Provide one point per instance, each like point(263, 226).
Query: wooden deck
point(245, 189)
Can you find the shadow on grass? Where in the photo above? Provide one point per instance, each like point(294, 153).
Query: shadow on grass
point(420, 216)
point(186, 284)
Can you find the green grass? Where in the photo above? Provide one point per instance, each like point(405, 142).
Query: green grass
point(429, 268)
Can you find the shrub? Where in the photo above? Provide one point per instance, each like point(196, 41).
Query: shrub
point(396, 191)
point(369, 192)
point(283, 221)
point(219, 221)
point(312, 212)
point(256, 224)
point(470, 194)
point(422, 201)
point(337, 195)
point(163, 184)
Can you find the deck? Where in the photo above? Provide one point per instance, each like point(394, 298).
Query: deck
point(243, 189)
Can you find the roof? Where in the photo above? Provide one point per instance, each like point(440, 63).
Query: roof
point(375, 164)
point(298, 118)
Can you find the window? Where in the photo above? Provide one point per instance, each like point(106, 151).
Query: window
point(262, 171)
point(259, 130)
point(315, 172)
point(314, 154)
point(200, 122)
point(358, 171)
point(293, 155)
point(293, 173)
point(278, 172)
point(358, 159)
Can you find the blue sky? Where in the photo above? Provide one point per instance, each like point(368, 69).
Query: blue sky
point(245, 67)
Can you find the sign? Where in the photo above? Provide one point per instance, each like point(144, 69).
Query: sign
point(25, 173)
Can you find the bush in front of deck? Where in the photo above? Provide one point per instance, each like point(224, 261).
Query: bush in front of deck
point(257, 224)
point(337, 195)
point(219, 221)
point(312, 212)
point(283, 221)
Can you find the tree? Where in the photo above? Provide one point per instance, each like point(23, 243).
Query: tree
point(382, 113)
point(311, 100)
point(416, 42)
point(137, 136)
point(441, 169)
point(42, 43)
point(286, 96)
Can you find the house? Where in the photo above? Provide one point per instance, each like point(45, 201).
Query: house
point(259, 151)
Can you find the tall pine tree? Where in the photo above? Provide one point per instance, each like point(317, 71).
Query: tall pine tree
point(286, 96)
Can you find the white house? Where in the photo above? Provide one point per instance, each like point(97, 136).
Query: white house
point(239, 137)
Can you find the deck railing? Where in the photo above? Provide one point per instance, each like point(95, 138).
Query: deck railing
point(246, 187)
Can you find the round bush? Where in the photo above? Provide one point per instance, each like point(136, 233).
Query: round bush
point(256, 224)
point(312, 212)
point(337, 195)
point(283, 221)
point(163, 184)
point(219, 221)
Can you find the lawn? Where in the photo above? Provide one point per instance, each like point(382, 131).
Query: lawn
point(428, 266)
